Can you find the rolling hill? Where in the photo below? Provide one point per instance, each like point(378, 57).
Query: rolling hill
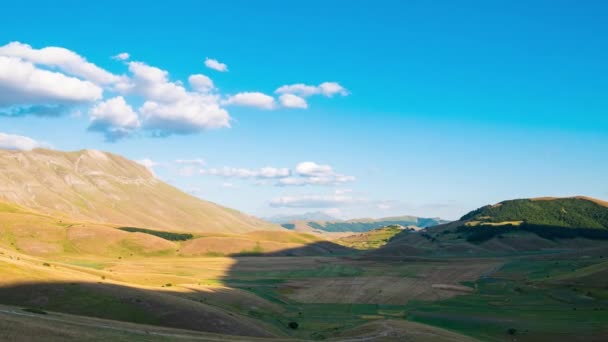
point(90, 185)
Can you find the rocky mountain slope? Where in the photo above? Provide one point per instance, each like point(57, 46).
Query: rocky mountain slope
point(90, 185)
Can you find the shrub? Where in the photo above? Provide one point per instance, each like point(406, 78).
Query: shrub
point(293, 325)
point(36, 311)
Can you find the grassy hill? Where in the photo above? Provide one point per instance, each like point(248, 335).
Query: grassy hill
point(96, 186)
point(547, 217)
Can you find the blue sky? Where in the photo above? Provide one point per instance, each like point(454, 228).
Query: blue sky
point(428, 108)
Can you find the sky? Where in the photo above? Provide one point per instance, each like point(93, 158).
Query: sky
point(353, 108)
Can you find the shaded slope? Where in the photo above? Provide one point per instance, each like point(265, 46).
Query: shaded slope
point(96, 186)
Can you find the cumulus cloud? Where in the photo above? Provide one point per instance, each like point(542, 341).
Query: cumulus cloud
point(293, 101)
point(327, 89)
point(52, 81)
point(22, 83)
point(313, 201)
point(61, 58)
point(123, 56)
point(215, 65)
point(170, 108)
point(19, 142)
point(114, 117)
point(251, 99)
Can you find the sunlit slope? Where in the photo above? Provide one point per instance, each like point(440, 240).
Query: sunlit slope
point(102, 187)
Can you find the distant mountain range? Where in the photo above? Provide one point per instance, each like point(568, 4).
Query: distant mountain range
point(360, 225)
point(95, 186)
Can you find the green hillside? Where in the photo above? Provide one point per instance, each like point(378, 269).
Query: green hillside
point(551, 218)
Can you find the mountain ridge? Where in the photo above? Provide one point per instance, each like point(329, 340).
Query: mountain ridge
point(103, 187)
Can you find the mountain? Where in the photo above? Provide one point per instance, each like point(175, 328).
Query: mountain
point(311, 216)
point(90, 185)
point(362, 224)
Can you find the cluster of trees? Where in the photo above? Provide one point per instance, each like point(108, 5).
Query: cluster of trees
point(164, 235)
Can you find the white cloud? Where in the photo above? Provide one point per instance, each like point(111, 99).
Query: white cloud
point(299, 89)
point(153, 84)
point(311, 173)
point(171, 109)
point(19, 142)
point(123, 56)
point(201, 83)
point(22, 83)
point(215, 65)
point(330, 89)
point(52, 81)
point(292, 101)
point(192, 114)
point(305, 173)
point(251, 99)
point(313, 169)
point(315, 180)
point(196, 162)
point(313, 201)
point(327, 89)
point(233, 172)
point(114, 117)
point(228, 185)
point(64, 59)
